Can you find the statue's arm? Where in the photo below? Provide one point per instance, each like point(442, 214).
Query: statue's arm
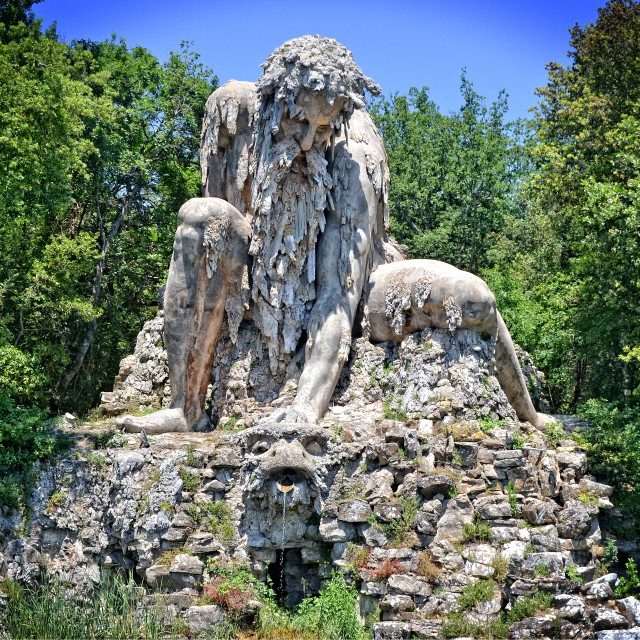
point(343, 253)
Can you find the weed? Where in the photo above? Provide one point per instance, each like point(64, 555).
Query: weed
point(357, 557)
point(232, 588)
point(109, 438)
point(427, 568)
point(219, 522)
point(230, 424)
point(392, 414)
point(512, 493)
point(388, 567)
point(476, 530)
point(456, 458)
point(97, 461)
point(555, 433)
point(500, 568)
point(55, 500)
point(192, 459)
point(398, 529)
point(363, 466)
point(571, 573)
point(610, 555)
point(588, 497)
point(453, 492)
point(541, 570)
point(528, 606)
point(529, 549)
point(169, 556)
point(190, 481)
point(518, 440)
point(476, 592)
point(167, 507)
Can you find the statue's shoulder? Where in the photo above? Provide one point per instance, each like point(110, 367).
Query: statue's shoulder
point(230, 111)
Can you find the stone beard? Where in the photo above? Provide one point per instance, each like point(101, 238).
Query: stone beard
point(291, 192)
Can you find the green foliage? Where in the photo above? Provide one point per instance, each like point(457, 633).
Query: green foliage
point(610, 555)
point(500, 568)
point(233, 587)
point(512, 494)
point(476, 592)
point(108, 438)
point(392, 413)
point(397, 529)
point(25, 436)
point(219, 522)
point(98, 144)
point(111, 609)
point(614, 452)
point(555, 433)
point(541, 570)
point(518, 440)
point(190, 481)
point(192, 459)
point(357, 557)
point(563, 264)
point(453, 175)
point(629, 584)
point(476, 530)
point(571, 573)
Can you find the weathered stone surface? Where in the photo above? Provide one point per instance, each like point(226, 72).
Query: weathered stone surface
point(409, 585)
point(437, 483)
point(569, 606)
point(492, 507)
point(204, 618)
point(334, 530)
point(426, 523)
point(574, 521)
point(631, 608)
point(354, 511)
point(396, 603)
point(387, 511)
point(631, 634)
point(457, 513)
point(603, 618)
point(536, 627)
point(538, 512)
point(391, 631)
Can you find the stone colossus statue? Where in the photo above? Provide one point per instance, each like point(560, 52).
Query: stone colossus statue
point(292, 229)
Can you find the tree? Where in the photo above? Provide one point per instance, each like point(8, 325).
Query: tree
point(585, 195)
point(100, 144)
point(453, 176)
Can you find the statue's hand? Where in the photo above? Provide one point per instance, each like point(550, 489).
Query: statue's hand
point(290, 416)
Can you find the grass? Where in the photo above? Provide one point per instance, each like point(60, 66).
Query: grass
point(169, 556)
point(427, 568)
point(55, 500)
point(500, 568)
point(392, 414)
point(192, 459)
point(109, 438)
point(476, 530)
point(112, 609)
point(331, 615)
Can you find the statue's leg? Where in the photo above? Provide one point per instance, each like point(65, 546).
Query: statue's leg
point(411, 295)
point(194, 304)
point(511, 379)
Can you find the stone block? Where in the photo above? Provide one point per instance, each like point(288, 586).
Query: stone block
point(334, 530)
point(354, 511)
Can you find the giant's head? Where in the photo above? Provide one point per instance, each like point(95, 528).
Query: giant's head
point(311, 79)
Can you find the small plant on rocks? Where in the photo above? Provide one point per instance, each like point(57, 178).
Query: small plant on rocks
point(476, 530)
point(388, 567)
point(427, 568)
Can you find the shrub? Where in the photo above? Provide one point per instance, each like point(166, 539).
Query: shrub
point(500, 567)
point(476, 592)
point(398, 529)
point(614, 452)
point(571, 573)
point(25, 436)
point(629, 585)
point(108, 438)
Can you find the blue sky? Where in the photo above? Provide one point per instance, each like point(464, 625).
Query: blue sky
point(399, 43)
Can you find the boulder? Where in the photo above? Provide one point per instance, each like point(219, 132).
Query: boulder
point(204, 619)
point(354, 511)
point(458, 512)
point(631, 608)
point(493, 507)
point(605, 618)
point(436, 483)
